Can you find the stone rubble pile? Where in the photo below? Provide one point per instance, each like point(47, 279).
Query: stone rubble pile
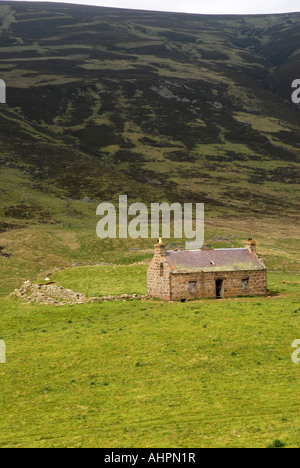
point(53, 294)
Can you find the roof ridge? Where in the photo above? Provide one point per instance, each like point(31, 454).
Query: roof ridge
point(207, 250)
point(213, 260)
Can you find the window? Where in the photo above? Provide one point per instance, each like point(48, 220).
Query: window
point(161, 269)
point(245, 285)
point(192, 287)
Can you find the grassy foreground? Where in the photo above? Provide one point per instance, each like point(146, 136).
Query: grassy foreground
point(150, 374)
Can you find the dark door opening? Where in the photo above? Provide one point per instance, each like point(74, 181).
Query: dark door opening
point(219, 289)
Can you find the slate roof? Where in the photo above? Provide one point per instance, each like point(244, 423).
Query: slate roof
point(186, 261)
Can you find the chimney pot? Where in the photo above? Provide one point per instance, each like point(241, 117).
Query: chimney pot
point(251, 246)
point(160, 248)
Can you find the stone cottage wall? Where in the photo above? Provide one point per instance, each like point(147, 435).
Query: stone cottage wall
point(159, 275)
point(206, 284)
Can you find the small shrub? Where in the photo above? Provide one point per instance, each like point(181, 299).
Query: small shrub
point(276, 444)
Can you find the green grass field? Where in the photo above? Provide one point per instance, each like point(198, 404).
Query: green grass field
point(150, 374)
point(104, 280)
point(163, 108)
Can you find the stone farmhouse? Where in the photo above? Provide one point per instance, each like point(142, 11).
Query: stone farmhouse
point(180, 275)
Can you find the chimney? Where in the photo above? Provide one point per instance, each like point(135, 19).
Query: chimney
point(159, 248)
point(250, 244)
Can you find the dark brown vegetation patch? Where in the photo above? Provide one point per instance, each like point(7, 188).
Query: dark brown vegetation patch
point(27, 211)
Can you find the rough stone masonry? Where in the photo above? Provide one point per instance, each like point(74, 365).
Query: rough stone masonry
point(209, 273)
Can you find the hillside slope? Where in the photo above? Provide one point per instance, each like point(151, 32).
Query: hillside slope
point(188, 107)
point(162, 107)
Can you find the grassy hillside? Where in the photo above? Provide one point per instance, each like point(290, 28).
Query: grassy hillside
point(37, 251)
point(159, 106)
point(162, 107)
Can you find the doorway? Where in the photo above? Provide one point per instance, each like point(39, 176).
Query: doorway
point(219, 289)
